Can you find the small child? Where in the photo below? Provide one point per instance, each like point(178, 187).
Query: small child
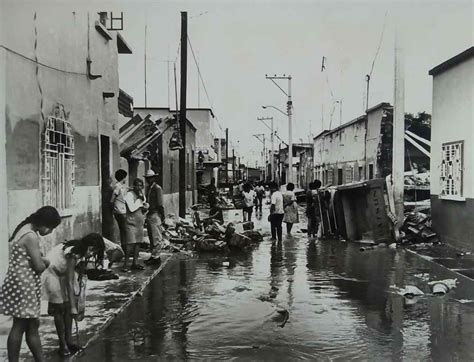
point(21, 290)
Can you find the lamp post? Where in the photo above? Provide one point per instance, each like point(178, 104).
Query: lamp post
point(289, 107)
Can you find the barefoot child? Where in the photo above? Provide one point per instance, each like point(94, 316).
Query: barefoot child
point(21, 290)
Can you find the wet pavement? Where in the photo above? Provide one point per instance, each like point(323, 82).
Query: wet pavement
point(300, 299)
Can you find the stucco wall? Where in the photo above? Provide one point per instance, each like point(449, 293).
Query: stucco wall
point(453, 120)
point(64, 40)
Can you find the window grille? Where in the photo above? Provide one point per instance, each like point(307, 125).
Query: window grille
point(451, 169)
point(58, 163)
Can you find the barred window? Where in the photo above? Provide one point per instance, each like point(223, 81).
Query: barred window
point(451, 169)
point(58, 163)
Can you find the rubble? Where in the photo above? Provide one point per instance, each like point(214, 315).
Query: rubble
point(417, 229)
point(183, 235)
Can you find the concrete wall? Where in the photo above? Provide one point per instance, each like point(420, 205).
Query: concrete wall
point(3, 160)
point(64, 40)
point(452, 120)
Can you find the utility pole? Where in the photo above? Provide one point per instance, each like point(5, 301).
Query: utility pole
point(227, 155)
point(144, 59)
point(182, 114)
point(398, 163)
point(289, 111)
point(233, 166)
point(272, 165)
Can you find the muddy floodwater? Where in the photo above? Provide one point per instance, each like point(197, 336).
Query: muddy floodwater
point(300, 299)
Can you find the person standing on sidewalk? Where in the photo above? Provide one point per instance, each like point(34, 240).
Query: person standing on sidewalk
point(21, 289)
point(155, 217)
point(119, 206)
point(136, 209)
point(276, 211)
point(290, 207)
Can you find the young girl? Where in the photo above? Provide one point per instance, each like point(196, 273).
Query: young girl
point(66, 269)
point(21, 291)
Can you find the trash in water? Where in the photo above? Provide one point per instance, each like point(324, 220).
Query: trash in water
point(393, 246)
point(409, 291)
point(225, 263)
point(441, 287)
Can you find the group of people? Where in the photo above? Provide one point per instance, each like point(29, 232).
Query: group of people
point(284, 208)
point(131, 209)
point(59, 276)
point(55, 277)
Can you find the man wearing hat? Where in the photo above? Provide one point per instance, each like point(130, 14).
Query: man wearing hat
point(154, 217)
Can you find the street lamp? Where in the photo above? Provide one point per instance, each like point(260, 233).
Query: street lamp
point(278, 109)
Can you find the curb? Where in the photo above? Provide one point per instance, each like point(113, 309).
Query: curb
point(123, 306)
point(462, 276)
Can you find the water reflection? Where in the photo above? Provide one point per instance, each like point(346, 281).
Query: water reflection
point(338, 298)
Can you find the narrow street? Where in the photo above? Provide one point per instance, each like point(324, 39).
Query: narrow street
point(339, 302)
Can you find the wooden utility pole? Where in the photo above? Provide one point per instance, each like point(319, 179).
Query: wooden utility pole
point(227, 155)
point(182, 114)
point(398, 158)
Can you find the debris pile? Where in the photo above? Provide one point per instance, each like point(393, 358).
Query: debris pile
point(214, 238)
point(417, 229)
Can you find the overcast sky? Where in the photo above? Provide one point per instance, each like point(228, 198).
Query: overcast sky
point(237, 42)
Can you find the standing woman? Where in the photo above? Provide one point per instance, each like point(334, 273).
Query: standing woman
point(21, 290)
point(290, 207)
point(136, 209)
point(62, 278)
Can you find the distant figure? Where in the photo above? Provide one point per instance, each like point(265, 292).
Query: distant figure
point(276, 211)
point(119, 206)
point(155, 217)
point(313, 208)
point(290, 207)
point(21, 289)
point(260, 193)
point(249, 196)
point(212, 192)
point(136, 209)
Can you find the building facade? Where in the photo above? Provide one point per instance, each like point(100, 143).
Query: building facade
point(59, 87)
point(452, 150)
point(358, 150)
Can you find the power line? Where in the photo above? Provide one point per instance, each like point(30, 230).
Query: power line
point(380, 43)
point(40, 63)
point(204, 84)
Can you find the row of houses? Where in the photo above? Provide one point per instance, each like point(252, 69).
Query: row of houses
point(66, 125)
point(361, 150)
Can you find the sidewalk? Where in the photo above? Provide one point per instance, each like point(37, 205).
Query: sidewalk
point(105, 300)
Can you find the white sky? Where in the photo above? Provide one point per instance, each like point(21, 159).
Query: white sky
point(237, 42)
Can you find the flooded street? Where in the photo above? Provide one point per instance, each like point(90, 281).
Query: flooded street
point(300, 299)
